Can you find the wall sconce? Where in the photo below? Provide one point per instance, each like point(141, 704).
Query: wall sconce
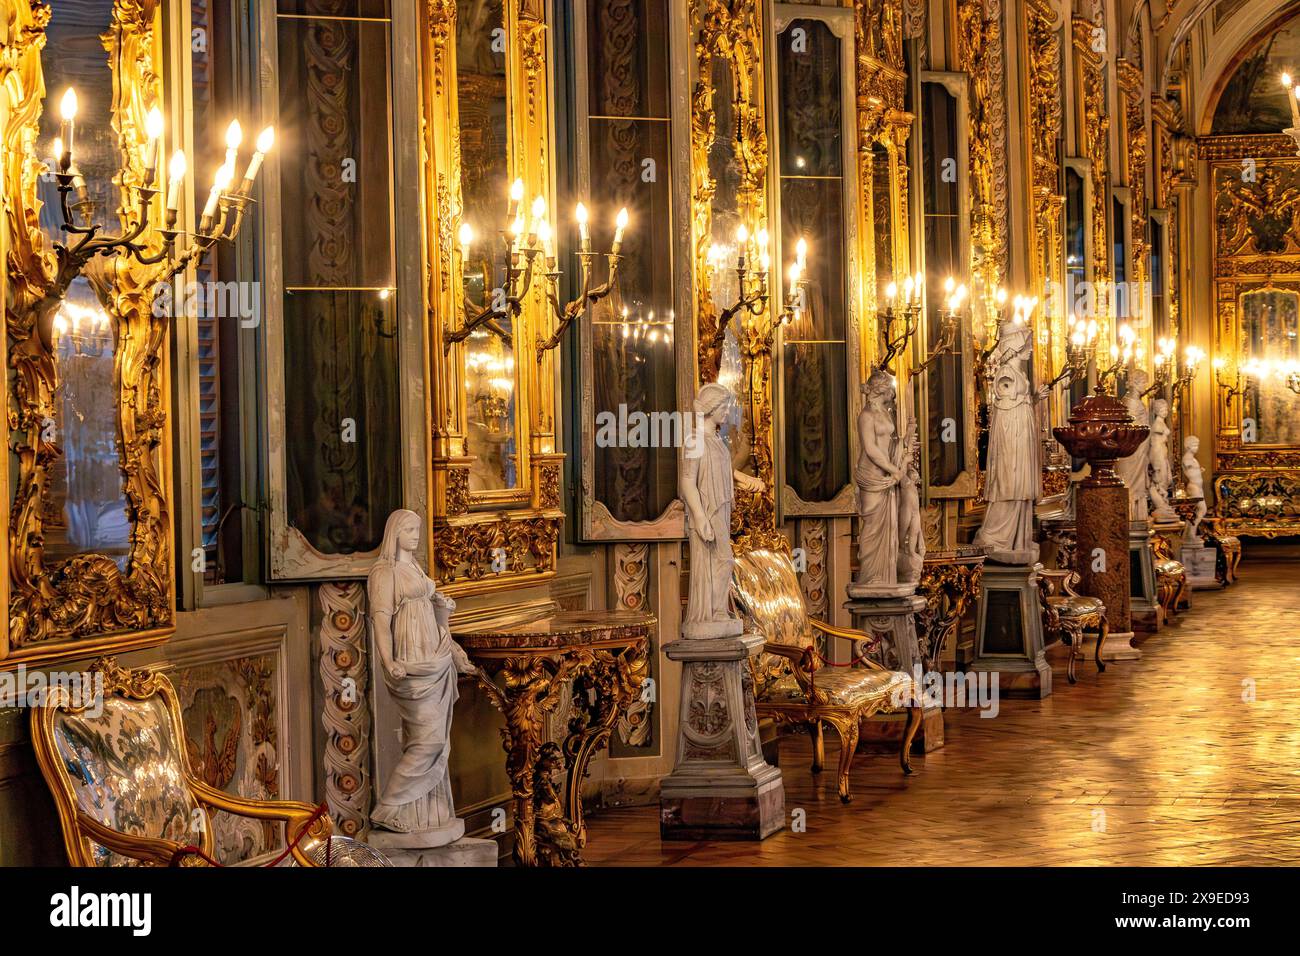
point(1229, 390)
point(907, 314)
point(1122, 356)
point(1080, 347)
point(587, 296)
point(752, 292)
point(216, 222)
point(1192, 358)
point(949, 325)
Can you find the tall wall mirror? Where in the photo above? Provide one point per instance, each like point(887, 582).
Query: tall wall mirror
point(495, 504)
point(817, 169)
point(88, 478)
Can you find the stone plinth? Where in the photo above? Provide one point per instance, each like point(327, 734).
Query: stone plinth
point(893, 621)
point(1009, 630)
point(721, 788)
point(407, 849)
point(1144, 603)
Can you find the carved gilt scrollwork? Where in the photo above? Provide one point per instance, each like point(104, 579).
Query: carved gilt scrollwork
point(1095, 131)
point(85, 603)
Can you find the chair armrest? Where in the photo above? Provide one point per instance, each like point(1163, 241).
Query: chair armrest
point(295, 815)
point(152, 851)
point(850, 634)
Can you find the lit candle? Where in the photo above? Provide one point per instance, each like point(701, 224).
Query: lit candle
point(801, 253)
point(584, 233)
point(234, 136)
point(1290, 91)
point(516, 230)
point(544, 235)
point(538, 211)
point(219, 184)
point(516, 197)
point(620, 226)
point(175, 173)
point(265, 140)
point(907, 291)
point(891, 291)
point(742, 240)
point(466, 237)
point(68, 110)
point(153, 127)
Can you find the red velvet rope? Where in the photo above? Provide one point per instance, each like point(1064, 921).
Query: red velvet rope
point(319, 812)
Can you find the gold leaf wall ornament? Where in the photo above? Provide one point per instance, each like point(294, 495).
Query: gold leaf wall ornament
point(1137, 143)
point(85, 604)
point(1095, 132)
point(1045, 86)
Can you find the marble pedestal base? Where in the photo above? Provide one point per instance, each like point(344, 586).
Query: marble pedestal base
point(1199, 562)
point(721, 788)
point(893, 620)
point(406, 849)
point(1145, 610)
point(1009, 631)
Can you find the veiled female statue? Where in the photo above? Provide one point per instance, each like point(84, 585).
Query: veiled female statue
point(410, 632)
point(1162, 474)
point(1133, 469)
point(1014, 476)
point(707, 488)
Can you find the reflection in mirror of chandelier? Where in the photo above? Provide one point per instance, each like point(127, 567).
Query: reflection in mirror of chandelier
point(495, 504)
point(89, 529)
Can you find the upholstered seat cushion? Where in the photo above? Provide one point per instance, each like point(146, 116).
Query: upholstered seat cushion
point(1075, 605)
point(847, 687)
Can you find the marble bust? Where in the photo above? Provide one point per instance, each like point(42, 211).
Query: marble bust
point(410, 634)
point(707, 485)
point(1162, 475)
point(1194, 479)
point(1134, 468)
point(1014, 476)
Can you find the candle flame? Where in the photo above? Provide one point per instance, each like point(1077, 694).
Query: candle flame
point(68, 105)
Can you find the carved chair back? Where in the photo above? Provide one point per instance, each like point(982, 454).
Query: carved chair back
point(767, 593)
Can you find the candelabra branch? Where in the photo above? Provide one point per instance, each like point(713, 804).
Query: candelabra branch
point(566, 315)
point(950, 323)
point(894, 345)
point(1229, 391)
point(509, 299)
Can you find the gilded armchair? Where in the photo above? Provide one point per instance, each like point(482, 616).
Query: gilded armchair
point(123, 784)
point(793, 685)
point(1070, 614)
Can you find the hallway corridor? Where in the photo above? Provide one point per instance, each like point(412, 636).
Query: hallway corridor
point(1154, 762)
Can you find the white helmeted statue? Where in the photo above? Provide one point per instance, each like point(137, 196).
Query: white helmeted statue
point(409, 628)
point(1014, 477)
point(1162, 474)
point(1134, 468)
point(1194, 479)
point(707, 484)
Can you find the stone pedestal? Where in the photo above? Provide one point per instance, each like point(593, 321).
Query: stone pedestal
point(1144, 603)
point(1009, 630)
point(893, 620)
point(409, 849)
point(1199, 562)
point(721, 787)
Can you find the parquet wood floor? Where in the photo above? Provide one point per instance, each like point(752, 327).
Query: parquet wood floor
point(1162, 761)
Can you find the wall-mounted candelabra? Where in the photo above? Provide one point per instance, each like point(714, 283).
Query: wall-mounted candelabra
point(1080, 349)
point(950, 324)
point(221, 217)
point(565, 315)
point(1228, 390)
point(899, 321)
point(752, 295)
point(1122, 356)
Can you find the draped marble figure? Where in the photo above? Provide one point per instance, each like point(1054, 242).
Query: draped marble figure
point(1014, 476)
point(409, 627)
point(707, 484)
point(1194, 483)
point(1134, 468)
point(1162, 475)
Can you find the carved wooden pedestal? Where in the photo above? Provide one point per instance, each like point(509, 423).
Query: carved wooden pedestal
point(597, 659)
point(721, 788)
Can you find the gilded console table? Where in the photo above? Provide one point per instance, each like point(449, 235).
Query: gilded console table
point(950, 582)
point(599, 660)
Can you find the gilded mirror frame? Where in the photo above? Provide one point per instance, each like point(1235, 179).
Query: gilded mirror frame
point(485, 541)
point(840, 22)
point(1255, 249)
point(84, 605)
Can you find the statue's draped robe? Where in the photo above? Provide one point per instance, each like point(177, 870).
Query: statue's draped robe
point(1014, 478)
point(878, 514)
point(711, 561)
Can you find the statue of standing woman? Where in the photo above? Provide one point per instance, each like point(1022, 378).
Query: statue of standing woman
point(707, 484)
point(1162, 473)
point(1014, 477)
point(409, 628)
point(1134, 468)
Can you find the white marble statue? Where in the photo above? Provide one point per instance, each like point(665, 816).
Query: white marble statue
point(911, 534)
point(420, 662)
point(879, 472)
point(1162, 474)
point(1194, 479)
point(1014, 476)
point(707, 484)
point(1134, 469)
